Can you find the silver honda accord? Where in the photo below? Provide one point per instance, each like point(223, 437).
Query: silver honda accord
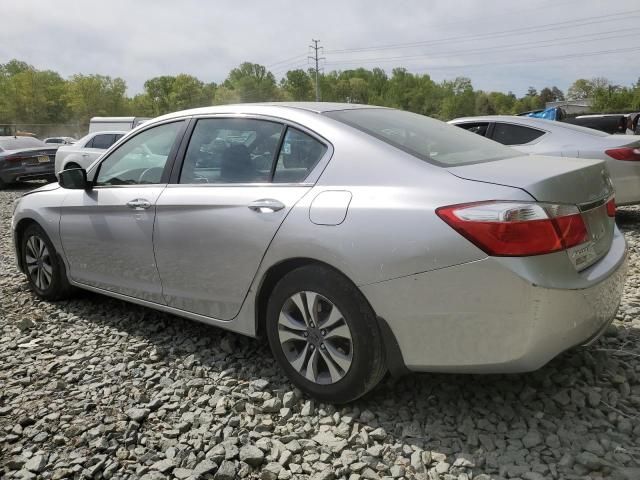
point(356, 239)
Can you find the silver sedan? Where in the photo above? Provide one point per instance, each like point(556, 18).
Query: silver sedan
point(545, 137)
point(357, 240)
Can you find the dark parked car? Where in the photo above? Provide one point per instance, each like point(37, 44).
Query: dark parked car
point(25, 158)
point(609, 123)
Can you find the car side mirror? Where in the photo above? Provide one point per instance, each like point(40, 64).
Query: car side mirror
point(74, 179)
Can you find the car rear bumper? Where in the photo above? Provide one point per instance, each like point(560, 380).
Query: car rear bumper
point(482, 317)
point(27, 172)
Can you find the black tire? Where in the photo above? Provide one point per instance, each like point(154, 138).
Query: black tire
point(368, 364)
point(58, 286)
point(71, 165)
point(3, 184)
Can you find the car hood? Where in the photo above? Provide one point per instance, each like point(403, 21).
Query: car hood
point(547, 179)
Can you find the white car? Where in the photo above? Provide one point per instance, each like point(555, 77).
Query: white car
point(60, 140)
point(85, 151)
point(547, 137)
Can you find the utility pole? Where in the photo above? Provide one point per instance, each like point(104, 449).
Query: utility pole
point(315, 57)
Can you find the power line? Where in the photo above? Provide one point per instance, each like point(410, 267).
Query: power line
point(535, 60)
point(288, 60)
point(315, 57)
point(590, 37)
point(517, 31)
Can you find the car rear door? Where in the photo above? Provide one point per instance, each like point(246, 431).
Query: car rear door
point(238, 180)
point(107, 232)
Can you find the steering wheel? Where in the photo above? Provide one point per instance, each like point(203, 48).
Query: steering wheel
point(149, 172)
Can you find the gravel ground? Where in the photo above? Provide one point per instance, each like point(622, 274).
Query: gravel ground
point(97, 388)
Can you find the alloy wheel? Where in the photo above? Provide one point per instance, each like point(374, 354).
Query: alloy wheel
point(315, 338)
point(38, 262)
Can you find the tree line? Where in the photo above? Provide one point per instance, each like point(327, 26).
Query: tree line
point(32, 96)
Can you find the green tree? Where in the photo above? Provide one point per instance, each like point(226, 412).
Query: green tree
point(297, 85)
point(95, 95)
point(252, 83)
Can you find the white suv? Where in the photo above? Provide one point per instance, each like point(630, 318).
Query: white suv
point(82, 153)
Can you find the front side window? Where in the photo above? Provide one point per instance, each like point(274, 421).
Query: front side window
point(141, 159)
point(298, 155)
point(509, 134)
point(231, 150)
point(425, 138)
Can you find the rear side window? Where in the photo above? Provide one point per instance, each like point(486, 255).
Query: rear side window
point(231, 150)
point(298, 155)
point(425, 138)
point(508, 134)
point(476, 127)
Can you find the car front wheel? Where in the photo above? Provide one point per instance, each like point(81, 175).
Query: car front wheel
point(324, 334)
point(44, 268)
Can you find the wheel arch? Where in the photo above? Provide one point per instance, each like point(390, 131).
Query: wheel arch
point(22, 225)
point(272, 276)
point(395, 361)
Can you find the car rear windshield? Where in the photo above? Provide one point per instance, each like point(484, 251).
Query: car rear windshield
point(426, 138)
point(16, 143)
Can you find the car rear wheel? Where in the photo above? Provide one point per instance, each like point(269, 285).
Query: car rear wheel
point(44, 268)
point(324, 334)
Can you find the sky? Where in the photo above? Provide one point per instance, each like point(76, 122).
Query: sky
point(502, 45)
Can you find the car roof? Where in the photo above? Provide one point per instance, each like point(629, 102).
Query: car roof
point(273, 108)
point(108, 132)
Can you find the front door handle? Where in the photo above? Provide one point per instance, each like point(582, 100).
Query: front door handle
point(266, 205)
point(139, 204)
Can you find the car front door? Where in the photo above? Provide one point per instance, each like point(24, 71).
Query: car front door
point(239, 179)
point(96, 147)
point(106, 232)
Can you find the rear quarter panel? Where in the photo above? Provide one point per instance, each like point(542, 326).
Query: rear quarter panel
point(391, 229)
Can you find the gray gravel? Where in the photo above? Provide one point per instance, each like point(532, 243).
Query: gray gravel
point(97, 388)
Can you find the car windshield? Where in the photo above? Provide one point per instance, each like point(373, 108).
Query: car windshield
point(426, 138)
point(16, 143)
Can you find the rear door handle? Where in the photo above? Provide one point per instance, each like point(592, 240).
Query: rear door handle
point(139, 204)
point(266, 205)
point(85, 154)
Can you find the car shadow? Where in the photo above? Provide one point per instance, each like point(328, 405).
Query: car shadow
point(505, 424)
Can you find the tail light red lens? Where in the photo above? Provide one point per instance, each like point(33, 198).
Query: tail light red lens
point(611, 207)
point(629, 154)
point(514, 229)
point(14, 158)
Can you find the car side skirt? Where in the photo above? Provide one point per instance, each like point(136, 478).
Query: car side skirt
point(232, 325)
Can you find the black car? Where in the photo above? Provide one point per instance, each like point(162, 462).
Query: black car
point(609, 123)
point(26, 158)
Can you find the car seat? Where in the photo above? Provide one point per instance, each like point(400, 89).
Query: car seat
point(236, 165)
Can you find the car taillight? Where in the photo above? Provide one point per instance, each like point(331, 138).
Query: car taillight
point(611, 207)
point(624, 153)
point(14, 158)
point(517, 229)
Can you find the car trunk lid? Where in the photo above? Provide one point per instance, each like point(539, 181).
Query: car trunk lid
point(581, 182)
point(31, 156)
